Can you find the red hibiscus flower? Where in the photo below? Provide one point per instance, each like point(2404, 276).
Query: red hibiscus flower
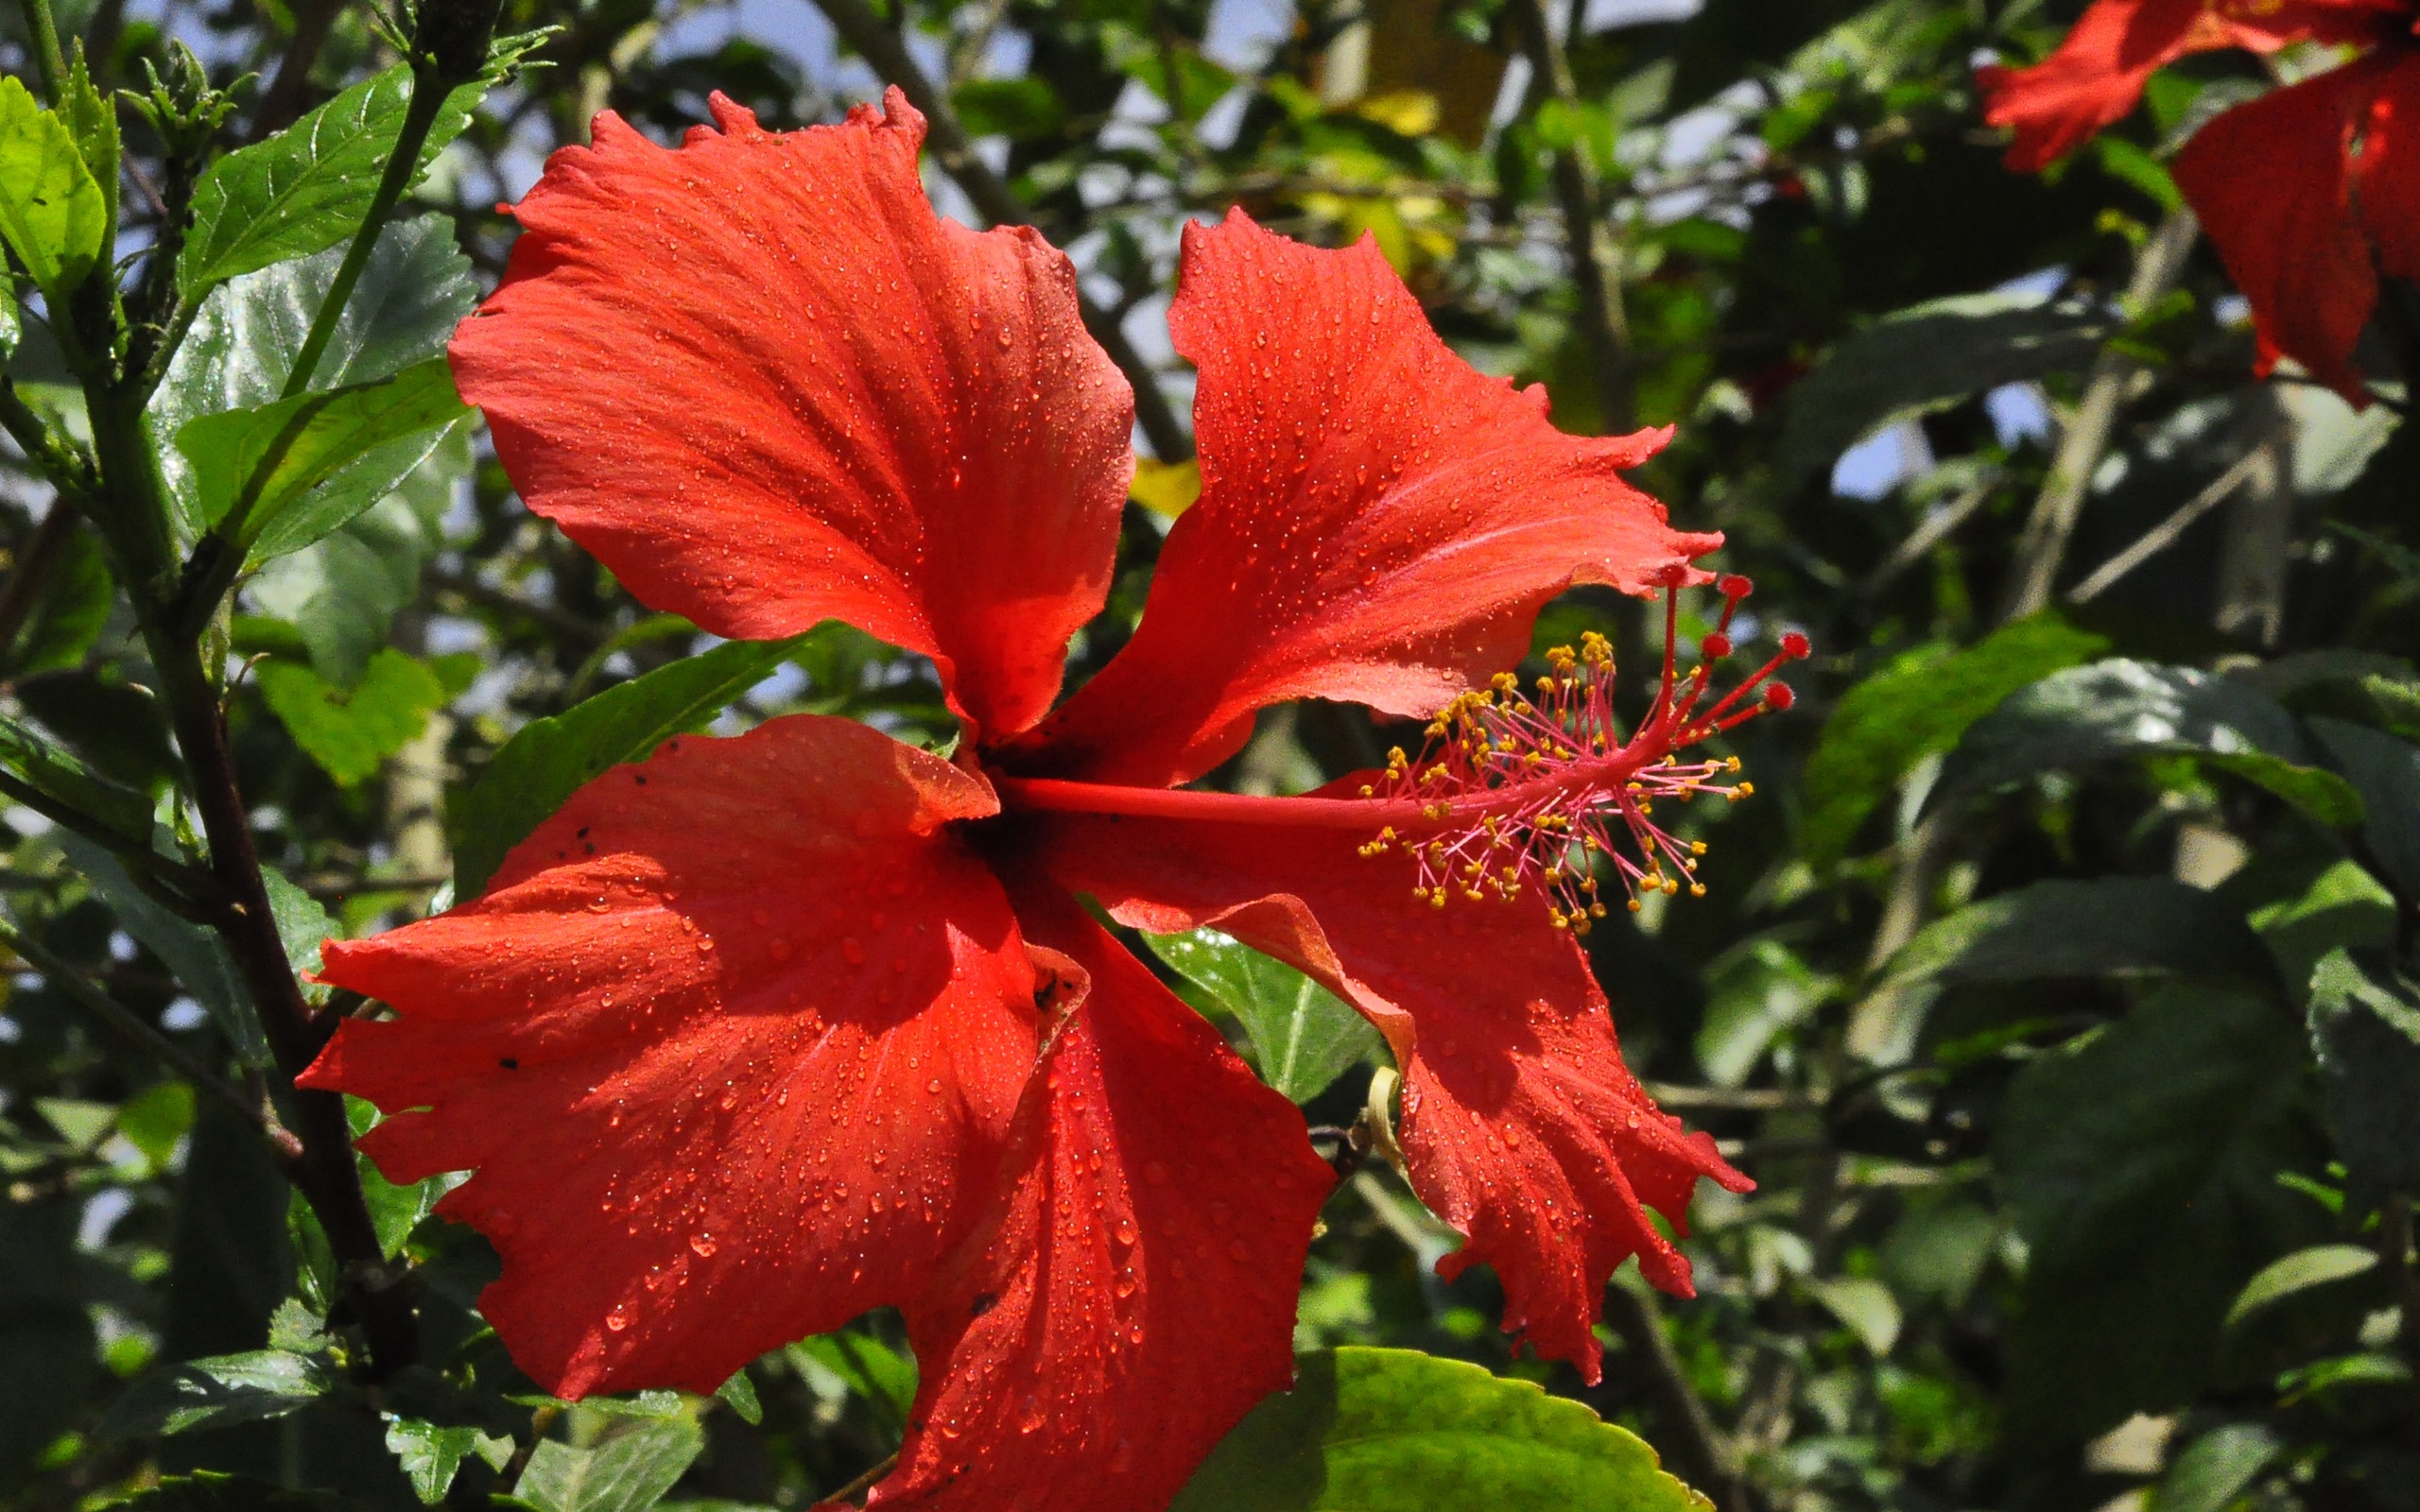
point(763, 1032)
point(2309, 193)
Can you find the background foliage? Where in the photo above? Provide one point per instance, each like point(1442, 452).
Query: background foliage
point(2057, 988)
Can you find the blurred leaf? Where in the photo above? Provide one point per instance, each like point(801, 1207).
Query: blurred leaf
point(217, 1393)
point(2140, 1163)
point(2298, 1272)
point(46, 1340)
point(430, 1454)
point(414, 290)
point(1406, 1431)
point(2365, 1027)
point(1023, 109)
point(1755, 992)
point(82, 1125)
point(867, 1367)
point(1925, 358)
point(49, 768)
point(2339, 907)
point(1918, 707)
point(210, 1492)
point(2315, 790)
point(279, 463)
point(2113, 708)
point(308, 188)
point(2387, 773)
point(1865, 1307)
point(627, 1472)
point(71, 605)
point(155, 1119)
point(196, 956)
point(1304, 1036)
point(2217, 1469)
point(548, 760)
point(52, 212)
point(91, 117)
point(351, 731)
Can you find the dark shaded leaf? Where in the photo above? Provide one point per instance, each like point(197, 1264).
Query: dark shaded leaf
point(2365, 1027)
point(2386, 772)
point(628, 1471)
point(2141, 1165)
point(218, 1393)
point(1918, 706)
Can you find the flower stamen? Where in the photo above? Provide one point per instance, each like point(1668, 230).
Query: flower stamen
point(1542, 783)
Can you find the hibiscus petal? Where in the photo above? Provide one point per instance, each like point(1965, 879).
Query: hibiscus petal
point(2268, 180)
point(764, 384)
point(1134, 1295)
point(733, 1046)
point(1521, 1125)
point(2098, 72)
point(1378, 522)
point(2388, 186)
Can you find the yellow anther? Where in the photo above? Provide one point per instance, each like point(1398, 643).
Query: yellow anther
point(1634, 905)
point(1597, 910)
point(1504, 682)
point(1747, 790)
point(1696, 889)
point(1367, 791)
point(1697, 847)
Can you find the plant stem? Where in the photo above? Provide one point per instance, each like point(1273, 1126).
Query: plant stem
point(2086, 440)
point(862, 29)
point(48, 61)
point(62, 465)
point(428, 94)
point(139, 1031)
point(1708, 1460)
point(864, 1483)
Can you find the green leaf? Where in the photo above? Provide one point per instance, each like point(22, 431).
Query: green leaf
point(395, 1209)
point(1303, 1035)
point(1755, 991)
point(196, 956)
point(1918, 707)
point(1022, 109)
point(305, 189)
point(627, 1472)
point(217, 1393)
point(10, 330)
point(351, 732)
point(740, 1395)
point(2115, 709)
point(1406, 1431)
point(2141, 1165)
point(154, 1118)
point(2387, 773)
point(2316, 791)
point(46, 1343)
point(2104, 926)
point(2340, 907)
point(342, 592)
point(275, 464)
point(302, 924)
point(865, 1365)
point(52, 214)
point(2300, 1272)
point(2365, 1028)
point(417, 288)
point(1864, 1306)
point(1925, 358)
point(2217, 1469)
point(548, 760)
point(71, 607)
point(39, 762)
point(92, 121)
point(430, 1455)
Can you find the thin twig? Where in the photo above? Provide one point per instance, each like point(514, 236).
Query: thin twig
point(2164, 533)
point(137, 1030)
point(955, 151)
point(864, 1483)
point(2060, 504)
point(280, 104)
point(1935, 528)
point(1708, 1460)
